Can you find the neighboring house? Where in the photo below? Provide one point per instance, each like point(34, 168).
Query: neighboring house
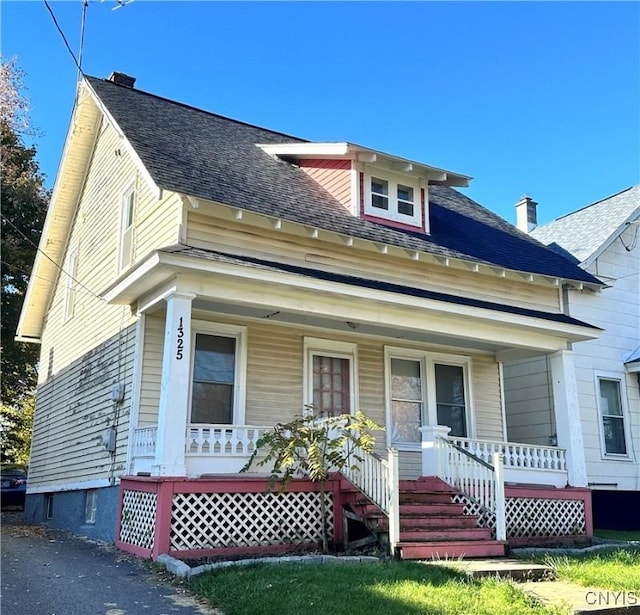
point(218, 278)
point(603, 238)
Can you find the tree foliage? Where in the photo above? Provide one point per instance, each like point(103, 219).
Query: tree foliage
point(23, 205)
point(315, 447)
point(15, 431)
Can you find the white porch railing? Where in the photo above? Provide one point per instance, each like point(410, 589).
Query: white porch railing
point(144, 441)
point(476, 479)
point(517, 455)
point(379, 480)
point(222, 440)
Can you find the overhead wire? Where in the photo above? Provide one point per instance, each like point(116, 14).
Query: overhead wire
point(53, 261)
point(64, 38)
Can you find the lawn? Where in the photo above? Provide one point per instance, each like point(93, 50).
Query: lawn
point(615, 569)
point(617, 534)
point(391, 588)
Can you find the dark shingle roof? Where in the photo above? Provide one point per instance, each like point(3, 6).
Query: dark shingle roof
point(205, 155)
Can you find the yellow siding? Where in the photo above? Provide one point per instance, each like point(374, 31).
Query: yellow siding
point(206, 231)
point(275, 378)
point(98, 339)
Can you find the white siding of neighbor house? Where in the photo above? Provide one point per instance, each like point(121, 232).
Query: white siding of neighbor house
point(617, 311)
point(204, 230)
point(275, 378)
point(84, 354)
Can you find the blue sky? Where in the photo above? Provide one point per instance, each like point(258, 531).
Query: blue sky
point(540, 98)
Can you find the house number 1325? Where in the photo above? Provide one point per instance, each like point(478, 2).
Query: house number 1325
point(180, 348)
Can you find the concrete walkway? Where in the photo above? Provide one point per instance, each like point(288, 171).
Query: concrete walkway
point(47, 572)
point(537, 580)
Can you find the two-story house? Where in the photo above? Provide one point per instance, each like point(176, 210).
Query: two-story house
point(200, 279)
point(603, 238)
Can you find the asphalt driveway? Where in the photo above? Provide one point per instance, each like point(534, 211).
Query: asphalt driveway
point(49, 572)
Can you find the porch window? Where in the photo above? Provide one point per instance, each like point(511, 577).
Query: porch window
point(329, 377)
point(613, 428)
point(406, 400)
point(425, 389)
point(450, 398)
point(214, 373)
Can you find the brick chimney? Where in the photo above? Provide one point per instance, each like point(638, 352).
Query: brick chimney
point(526, 214)
point(122, 79)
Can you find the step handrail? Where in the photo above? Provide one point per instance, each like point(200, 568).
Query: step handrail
point(378, 479)
point(477, 480)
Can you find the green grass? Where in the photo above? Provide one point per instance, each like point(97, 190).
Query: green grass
point(616, 569)
point(392, 588)
point(617, 534)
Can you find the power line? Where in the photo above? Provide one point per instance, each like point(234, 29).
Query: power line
point(64, 38)
point(50, 259)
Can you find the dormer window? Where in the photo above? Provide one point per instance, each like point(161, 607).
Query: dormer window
point(393, 198)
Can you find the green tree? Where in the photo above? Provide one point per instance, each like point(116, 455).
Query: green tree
point(23, 207)
point(315, 447)
point(15, 432)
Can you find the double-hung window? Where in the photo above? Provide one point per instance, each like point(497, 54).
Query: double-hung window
point(393, 198)
point(217, 389)
point(329, 377)
point(127, 230)
point(71, 272)
point(611, 404)
point(426, 389)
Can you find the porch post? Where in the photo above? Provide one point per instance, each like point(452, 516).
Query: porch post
point(567, 410)
point(430, 463)
point(174, 389)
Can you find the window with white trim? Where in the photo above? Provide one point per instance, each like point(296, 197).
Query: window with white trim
point(71, 271)
point(426, 389)
point(127, 229)
point(329, 383)
point(218, 375)
point(612, 416)
point(393, 198)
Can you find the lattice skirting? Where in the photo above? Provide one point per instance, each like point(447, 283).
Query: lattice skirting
point(531, 517)
point(138, 518)
point(545, 517)
point(214, 520)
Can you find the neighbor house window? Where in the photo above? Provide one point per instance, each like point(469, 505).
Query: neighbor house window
point(329, 377)
point(127, 228)
point(217, 388)
point(612, 416)
point(71, 273)
point(426, 389)
point(393, 198)
point(90, 506)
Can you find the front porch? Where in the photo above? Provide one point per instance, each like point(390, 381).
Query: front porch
point(461, 506)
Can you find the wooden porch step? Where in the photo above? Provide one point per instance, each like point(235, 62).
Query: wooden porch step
point(454, 549)
point(424, 497)
point(427, 483)
point(447, 534)
point(414, 510)
point(429, 522)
